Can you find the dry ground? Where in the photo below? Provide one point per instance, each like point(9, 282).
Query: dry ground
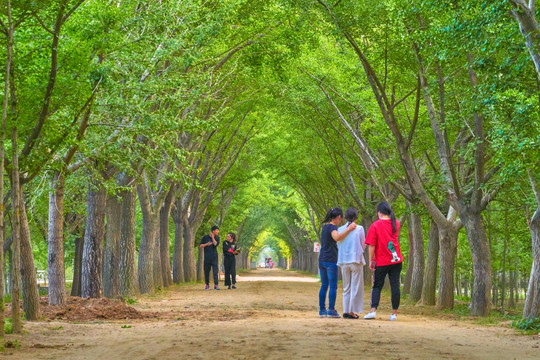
point(272, 315)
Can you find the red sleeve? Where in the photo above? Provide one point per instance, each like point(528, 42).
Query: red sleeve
point(371, 238)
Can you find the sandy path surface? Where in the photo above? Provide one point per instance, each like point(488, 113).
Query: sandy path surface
point(266, 319)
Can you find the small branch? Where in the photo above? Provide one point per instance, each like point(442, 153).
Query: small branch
point(70, 12)
point(43, 24)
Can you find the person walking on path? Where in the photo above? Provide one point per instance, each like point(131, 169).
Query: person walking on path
point(384, 257)
point(210, 243)
point(328, 260)
point(229, 260)
point(351, 261)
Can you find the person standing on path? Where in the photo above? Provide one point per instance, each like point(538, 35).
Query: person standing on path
point(328, 260)
point(210, 243)
point(351, 261)
point(229, 260)
point(384, 257)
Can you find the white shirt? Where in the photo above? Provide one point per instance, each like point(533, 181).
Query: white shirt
point(351, 249)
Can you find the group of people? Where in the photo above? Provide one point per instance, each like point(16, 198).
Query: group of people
point(344, 247)
point(210, 243)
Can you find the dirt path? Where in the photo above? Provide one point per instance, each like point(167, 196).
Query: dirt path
point(265, 319)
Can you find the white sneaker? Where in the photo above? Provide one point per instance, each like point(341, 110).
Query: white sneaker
point(370, 315)
point(393, 317)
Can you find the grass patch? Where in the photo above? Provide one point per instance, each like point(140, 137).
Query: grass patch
point(56, 328)
point(8, 326)
point(131, 301)
point(126, 326)
point(527, 326)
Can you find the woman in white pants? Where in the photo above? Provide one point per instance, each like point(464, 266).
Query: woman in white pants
point(351, 261)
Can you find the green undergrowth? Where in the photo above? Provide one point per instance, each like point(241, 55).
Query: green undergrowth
point(8, 326)
point(131, 300)
point(527, 326)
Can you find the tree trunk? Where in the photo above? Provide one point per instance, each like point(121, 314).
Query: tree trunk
point(77, 267)
point(190, 269)
point(458, 284)
point(16, 236)
point(200, 265)
point(30, 291)
point(532, 299)
point(481, 256)
point(526, 18)
point(111, 268)
point(494, 290)
point(164, 239)
point(94, 236)
point(410, 260)
point(128, 268)
point(158, 277)
point(418, 256)
point(55, 255)
point(512, 285)
point(448, 250)
point(146, 252)
point(429, 283)
point(178, 263)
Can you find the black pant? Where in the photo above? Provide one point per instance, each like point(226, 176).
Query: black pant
point(393, 272)
point(229, 263)
point(211, 263)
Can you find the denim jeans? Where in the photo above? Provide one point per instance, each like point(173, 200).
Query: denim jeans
point(329, 277)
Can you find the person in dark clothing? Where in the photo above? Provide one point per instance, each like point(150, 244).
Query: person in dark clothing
point(229, 260)
point(328, 260)
point(209, 243)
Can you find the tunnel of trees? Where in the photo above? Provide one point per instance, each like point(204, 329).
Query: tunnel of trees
point(130, 127)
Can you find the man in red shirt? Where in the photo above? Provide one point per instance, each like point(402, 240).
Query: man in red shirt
point(384, 258)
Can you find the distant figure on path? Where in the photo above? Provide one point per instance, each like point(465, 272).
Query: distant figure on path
point(210, 243)
point(351, 261)
point(229, 260)
point(328, 260)
point(384, 257)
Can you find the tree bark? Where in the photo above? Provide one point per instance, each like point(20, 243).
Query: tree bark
point(532, 299)
point(430, 275)
point(418, 256)
point(190, 269)
point(158, 277)
point(94, 236)
point(512, 286)
point(481, 256)
point(146, 252)
point(178, 263)
point(448, 251)
point(164, 239)
point(55, 254)
point(15, 235)
point(528, 25)
point(7, 86)
point(77, 267)
point(128, 269)
point(30, 291)
point(111, 268)
point(200, 265)
point(410, 260)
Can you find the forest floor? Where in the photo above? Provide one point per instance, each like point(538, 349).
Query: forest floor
point(272, 315)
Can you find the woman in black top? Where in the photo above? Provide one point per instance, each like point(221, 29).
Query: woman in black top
point(328, 260)
point(229, 259)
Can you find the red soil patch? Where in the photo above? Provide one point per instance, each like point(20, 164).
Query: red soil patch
point(88, 309)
